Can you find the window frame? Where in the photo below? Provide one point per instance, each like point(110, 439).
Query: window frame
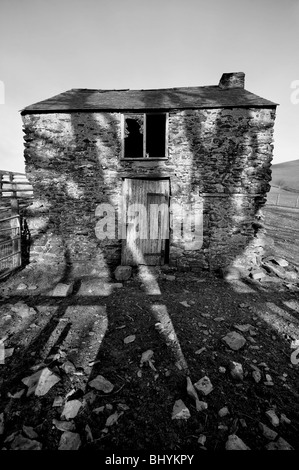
point(144, 115)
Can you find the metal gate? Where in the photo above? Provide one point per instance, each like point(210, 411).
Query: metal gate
point(10, 245)
point(15, 193)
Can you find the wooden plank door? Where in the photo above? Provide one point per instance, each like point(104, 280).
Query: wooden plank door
point(146, 208)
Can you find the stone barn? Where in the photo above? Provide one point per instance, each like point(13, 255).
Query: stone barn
point(172, 177)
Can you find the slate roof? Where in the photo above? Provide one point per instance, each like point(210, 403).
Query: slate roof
point(142, 100)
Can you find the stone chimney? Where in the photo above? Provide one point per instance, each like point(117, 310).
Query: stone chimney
point(232, 80)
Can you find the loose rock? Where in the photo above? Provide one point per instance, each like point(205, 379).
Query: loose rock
point(180, 411)
point(62, 290)
point(29, 431)
point(71, 409)
point(22, 286)
point(204, 385)
point(257, 376)
point(202, 439)
point(129, 339)
point(267, 432)
point(40, 382)
point(273, 417)
point(100, 383)
point(112, 419)
point(23, 310)
point(22, 443)
point(236, 370)
point(64, 425)
point(280, 444)
point(69, 441)
point(284, 419)
point(223, 412)
point(235, 443)
point(234, 340)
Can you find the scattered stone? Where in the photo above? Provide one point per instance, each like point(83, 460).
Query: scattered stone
point(243, 423)
point(199, 351)
point(280, 444)
point(122, 407)
point(222, 370)
point(234, 340)
point(185, 304)
point(98, 410)
point(236, 370)
point(23, 443)
point(223, 412)
point(219, 319)
point(295, 344)
point(202, 439)
point(222, 427)
point(129, 339)
point(244, 328)
point(23, 310)
point(89, 436)
point(235, 443)
point(22, 286)
point(267, 432)
point(29, 432)
point(32, 287)
point(100, 383)
point(204, 385)
point(64, 425)
point(201, 405)
point(1, 424)
point(112, 419)
point(180, 411)
point(257, 376)
point(269, 378)
point(8, 352)
point(58, 401)
point(273, 417)
point(63, 290)
point(68, 367)
point(17, 394)
point(284, 419)
point(40, 382)
point(205, 315)
point(146, 359)
point(69, 441)
point(71, 409)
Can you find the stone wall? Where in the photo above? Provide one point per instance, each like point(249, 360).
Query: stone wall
point(222, 156)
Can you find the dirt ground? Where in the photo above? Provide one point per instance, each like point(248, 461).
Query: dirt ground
point(182, 318)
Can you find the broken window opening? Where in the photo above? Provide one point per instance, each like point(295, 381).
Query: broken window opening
point(144, 136)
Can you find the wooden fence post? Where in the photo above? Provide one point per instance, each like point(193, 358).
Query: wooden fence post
point(277, 200)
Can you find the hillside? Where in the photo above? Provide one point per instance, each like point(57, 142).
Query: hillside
point(286, 174)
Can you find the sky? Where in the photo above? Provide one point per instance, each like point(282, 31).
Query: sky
point(48, 47)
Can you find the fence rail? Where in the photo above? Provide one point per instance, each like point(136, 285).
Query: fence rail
point(15, 193)
point(283, 200)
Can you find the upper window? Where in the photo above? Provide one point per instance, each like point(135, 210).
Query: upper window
point(144, 136)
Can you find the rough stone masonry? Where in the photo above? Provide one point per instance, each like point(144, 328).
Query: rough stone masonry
point(218, 152)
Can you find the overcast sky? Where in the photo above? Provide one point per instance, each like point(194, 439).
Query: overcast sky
point(50, 46)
